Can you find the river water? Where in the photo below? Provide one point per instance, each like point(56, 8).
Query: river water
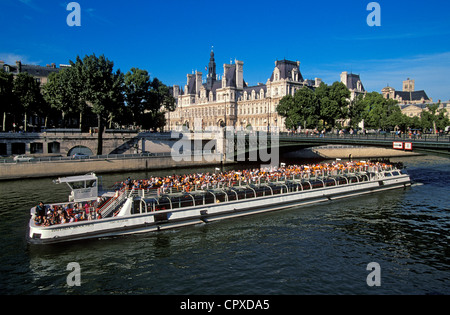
point(318, 249)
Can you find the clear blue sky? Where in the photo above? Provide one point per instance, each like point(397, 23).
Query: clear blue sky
point(171, 38)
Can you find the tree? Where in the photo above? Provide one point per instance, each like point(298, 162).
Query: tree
point(355, 112)
point(28, 94)
point(160, 100)
point(434, 119)
point(57, 94)
point(147, 100)
point(333, 102)
point(7, 97)
point(102, 89)
point(301, 109)
point(286, 108)
point(137, 93)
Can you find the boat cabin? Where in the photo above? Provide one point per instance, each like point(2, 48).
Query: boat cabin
point(84, 187)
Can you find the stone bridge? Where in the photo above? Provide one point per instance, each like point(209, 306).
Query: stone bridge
point(68, 143)
point(231, 144)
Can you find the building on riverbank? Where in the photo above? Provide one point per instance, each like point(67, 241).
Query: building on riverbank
point(408, 95)
point(228, 100)
point(39, 73)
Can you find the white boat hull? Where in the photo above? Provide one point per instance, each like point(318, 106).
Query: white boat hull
point(167, 219)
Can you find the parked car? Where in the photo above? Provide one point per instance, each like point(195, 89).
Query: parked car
point(23, 158)
point(80, 156)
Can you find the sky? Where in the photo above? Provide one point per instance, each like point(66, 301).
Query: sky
point(172, 38)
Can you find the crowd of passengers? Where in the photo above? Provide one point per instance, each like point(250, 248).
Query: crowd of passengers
point(189, 182)
point(47, 215)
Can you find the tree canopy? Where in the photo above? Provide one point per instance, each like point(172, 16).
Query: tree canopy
point(92, 85)
point(307, 108)
point(327, 106)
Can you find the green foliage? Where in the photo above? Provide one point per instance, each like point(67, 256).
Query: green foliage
point(380, 113)
point(145, 99)
point(300, 109)
point(356, 110)
point(307, 108)
point(333, 102)
point(7, 97)
point(91, 84)
point(28, 95)
point(434, 119)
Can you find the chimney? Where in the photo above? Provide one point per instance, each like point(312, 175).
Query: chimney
point(19, 66)
point(198, 81)
point(344, 76)
point(239, 74)
point(176, 91)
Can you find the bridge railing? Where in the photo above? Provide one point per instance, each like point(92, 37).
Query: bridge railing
point(372, 136)
point(106, 157)
point(87, 158)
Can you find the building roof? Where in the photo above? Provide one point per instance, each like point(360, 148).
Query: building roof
point(412, 96)
point(352, 82)
point(33, 70)
point(38, 71)
point(286, 67)
point(256, 88)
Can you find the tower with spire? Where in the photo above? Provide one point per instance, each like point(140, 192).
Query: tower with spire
point(211, 71)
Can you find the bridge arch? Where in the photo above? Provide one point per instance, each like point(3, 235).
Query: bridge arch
point(80, 149)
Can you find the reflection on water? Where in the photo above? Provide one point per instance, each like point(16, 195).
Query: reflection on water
point(319, 249)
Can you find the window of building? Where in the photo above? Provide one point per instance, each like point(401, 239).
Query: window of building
point(36, 148)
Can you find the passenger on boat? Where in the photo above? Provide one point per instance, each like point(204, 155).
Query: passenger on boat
point(250, 176)
point(57, 214)
point(40, 213)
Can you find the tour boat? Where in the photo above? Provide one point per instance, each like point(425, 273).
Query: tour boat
point(128, 211)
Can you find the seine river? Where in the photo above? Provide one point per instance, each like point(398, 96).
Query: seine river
point(319, 249)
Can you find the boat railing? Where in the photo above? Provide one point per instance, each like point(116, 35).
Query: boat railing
point(239, 191)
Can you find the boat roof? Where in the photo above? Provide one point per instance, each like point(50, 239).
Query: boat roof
point(71, 179)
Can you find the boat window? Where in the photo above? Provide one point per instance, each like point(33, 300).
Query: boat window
point(220, 196)
point(91, 183)
point(276, 190)
point(76, 185)
point(138, 207)
point(259, 191)
point(250, 193)
point(186, 201)
point(317, 184)
point(164, 203)
point(267, 191)
point(232, 195)
point(198, 199)
point(210, 198)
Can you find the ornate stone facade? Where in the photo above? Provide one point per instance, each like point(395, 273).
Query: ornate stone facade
point(228, 100)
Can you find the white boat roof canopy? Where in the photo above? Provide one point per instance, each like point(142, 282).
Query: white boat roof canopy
point(79, 178)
